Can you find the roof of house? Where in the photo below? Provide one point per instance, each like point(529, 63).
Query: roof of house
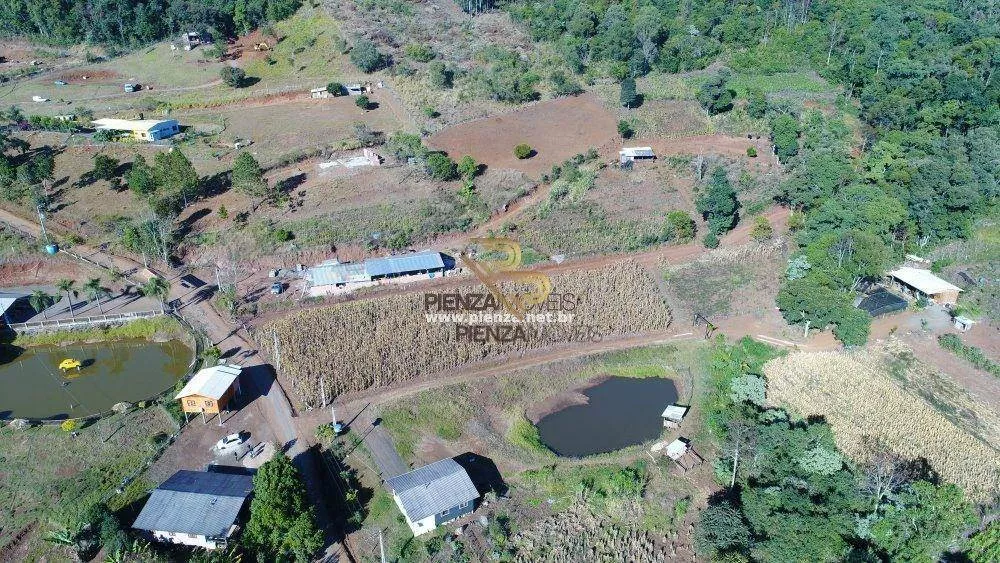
point(881, 302)
point(637, 151)
point(132, 124)
point(195, 502)
point(211, 382)
point(923, 280)
point(433, 488)
point(7, 299)
point(427, 260)
point(334, 273)
point(674, 412)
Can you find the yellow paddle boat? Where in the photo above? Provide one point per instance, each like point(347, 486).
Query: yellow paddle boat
point(70, 363)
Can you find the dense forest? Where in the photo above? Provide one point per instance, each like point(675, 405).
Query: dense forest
point(133, 22)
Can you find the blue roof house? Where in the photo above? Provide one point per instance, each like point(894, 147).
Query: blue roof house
point(196, 508)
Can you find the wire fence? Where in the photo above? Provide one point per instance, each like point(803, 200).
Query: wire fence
point(77, 322)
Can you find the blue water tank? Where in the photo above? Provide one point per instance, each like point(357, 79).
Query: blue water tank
point(52, 249)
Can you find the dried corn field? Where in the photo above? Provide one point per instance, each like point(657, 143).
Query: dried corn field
point(356, 345)
point(883, 392)
point(578, 534)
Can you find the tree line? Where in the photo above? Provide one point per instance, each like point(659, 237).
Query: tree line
point(134, 22)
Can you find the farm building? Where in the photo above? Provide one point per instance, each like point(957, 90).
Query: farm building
point(13, 304)
point(881, 302)
point(210, 390)
point(319, 93)
point(141, 129)
point(433, 495)
point(922, 283)
point(196, 508)
point(632, 154)
point(333, 273)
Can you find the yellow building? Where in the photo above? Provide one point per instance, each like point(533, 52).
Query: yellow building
point(211, 390)
point(140, 129)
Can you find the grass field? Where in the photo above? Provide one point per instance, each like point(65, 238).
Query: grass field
point(162, 327)
point(49, 477)
point(886, 394)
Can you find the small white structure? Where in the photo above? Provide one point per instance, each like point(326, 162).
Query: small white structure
point(631, 154)
point(923, 283)
point(356, 89)
point(319, 93)
point(39, 99)
point(676, 449)
point(682, 453)
point(673, 415)
point(963, 323)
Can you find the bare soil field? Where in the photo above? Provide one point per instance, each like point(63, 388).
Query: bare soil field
point(556, 130)
point(43, 271)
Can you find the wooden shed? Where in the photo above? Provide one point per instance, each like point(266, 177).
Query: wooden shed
point(923, 283)
point(211, 390)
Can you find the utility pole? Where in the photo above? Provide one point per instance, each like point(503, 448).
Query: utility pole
point(322, 391)
point(381, 545)
point(277, 353)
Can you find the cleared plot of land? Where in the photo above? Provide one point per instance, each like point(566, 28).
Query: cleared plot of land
point(884, 393)
point(372, 343)
point(556, 130)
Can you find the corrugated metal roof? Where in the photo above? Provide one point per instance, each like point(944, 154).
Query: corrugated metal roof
point(211, 382)
point(637, 151)
point(195, 502)
point(427, 260)
point(433, 488)
point(923, 280)
point(331, 274)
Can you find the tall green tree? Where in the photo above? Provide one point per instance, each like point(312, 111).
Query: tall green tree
point(718, 204)
point(715, 95)
point(248, 178)
point(66, 286)
point(174, 174)
point(282, 525)
point(627, 96)
point(140, 177)
point(40, 301)
point(95, 291)
point(924, 522)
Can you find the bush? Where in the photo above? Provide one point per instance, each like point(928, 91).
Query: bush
point(710, 240)
point(362, 102)
point(69, 425)
point(440, 167)
point(762, 229)
point(628, 96)
point(335, 88)
point(104, 167)
point(522, 151)
point(419, 52)
point(233, 76)
point(680, 226)
point(439, 76)
point(625, 129)
point(366, 56)
point(752, 152)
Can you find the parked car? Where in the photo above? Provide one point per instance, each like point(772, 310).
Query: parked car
point(60, 82)
point(129, 88)
point(277, 288)
point(229, 442)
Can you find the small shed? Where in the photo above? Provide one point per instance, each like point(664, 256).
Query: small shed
point(631, 154)
point(673, 415)
point(882, 302)
point(681, 452)
point(923, 283)
point(963, 323)
point(319, 93)
point(210, 390)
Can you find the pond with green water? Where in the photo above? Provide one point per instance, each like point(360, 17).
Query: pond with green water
point(33, 386)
